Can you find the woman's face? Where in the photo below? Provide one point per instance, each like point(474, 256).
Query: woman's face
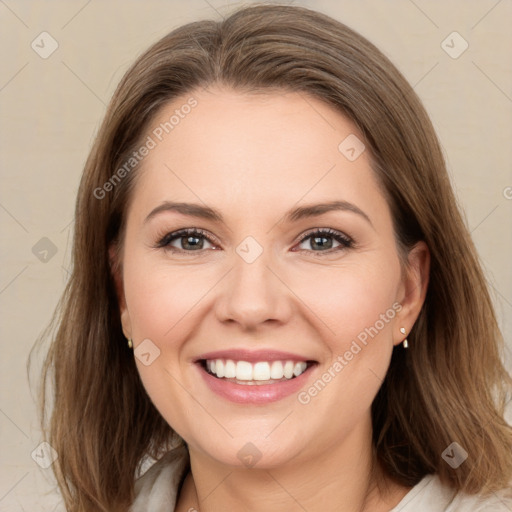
point(259, 176)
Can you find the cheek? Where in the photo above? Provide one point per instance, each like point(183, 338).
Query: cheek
point(344, 302)
point(164, 302)
point(161, 296)
point(350, 300)
point(359, 307)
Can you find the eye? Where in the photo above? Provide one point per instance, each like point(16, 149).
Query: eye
point(194, 239)
point(323, 240)
point(185, 240)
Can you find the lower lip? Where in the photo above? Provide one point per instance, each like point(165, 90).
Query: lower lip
point(257, 393)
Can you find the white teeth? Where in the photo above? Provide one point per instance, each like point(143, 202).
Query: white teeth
point(288, 369)
point(276, 370)
point(219, 368)
point(229, 369)
point(299, 368)
point(260, 371)
point(243, 370)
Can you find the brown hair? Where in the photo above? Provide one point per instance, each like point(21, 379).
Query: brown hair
point(450, 385)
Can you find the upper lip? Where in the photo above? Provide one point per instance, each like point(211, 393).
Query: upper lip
point(252, 356)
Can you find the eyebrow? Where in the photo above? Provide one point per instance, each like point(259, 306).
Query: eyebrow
point(301, 212)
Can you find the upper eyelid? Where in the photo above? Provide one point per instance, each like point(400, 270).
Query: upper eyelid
point(171, 236)
point(326, 231)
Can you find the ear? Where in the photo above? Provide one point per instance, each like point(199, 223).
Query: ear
point(117, 275)
point(413, 289)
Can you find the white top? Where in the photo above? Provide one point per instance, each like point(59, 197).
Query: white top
point(156, 491)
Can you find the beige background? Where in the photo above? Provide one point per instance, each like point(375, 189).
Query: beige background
point(51, 109)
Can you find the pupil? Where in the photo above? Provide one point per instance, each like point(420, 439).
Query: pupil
point(323, 243)
point(192, 245)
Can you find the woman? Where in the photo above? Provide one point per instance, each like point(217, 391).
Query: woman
point(274, 294)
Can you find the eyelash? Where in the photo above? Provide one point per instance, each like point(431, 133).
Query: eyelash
point(345, 241)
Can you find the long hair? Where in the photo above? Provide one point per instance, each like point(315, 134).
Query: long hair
point(450, 385)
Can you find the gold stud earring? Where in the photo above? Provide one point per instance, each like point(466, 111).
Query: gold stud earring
point(130, 343)
point(403, 331)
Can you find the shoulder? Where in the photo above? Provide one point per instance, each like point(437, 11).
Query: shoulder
point(500, 501)
point(431, 495)
point(157, 488)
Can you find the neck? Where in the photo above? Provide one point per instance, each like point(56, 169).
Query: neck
point(343, 477)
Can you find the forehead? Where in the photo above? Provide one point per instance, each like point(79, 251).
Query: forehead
point(228, 126)
point(234, 148)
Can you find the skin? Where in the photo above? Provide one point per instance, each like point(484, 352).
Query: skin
point(253, 157)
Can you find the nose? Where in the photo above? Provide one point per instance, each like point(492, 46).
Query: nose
point(254, 294)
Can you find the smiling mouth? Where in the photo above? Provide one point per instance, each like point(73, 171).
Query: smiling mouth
point(259, 373)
